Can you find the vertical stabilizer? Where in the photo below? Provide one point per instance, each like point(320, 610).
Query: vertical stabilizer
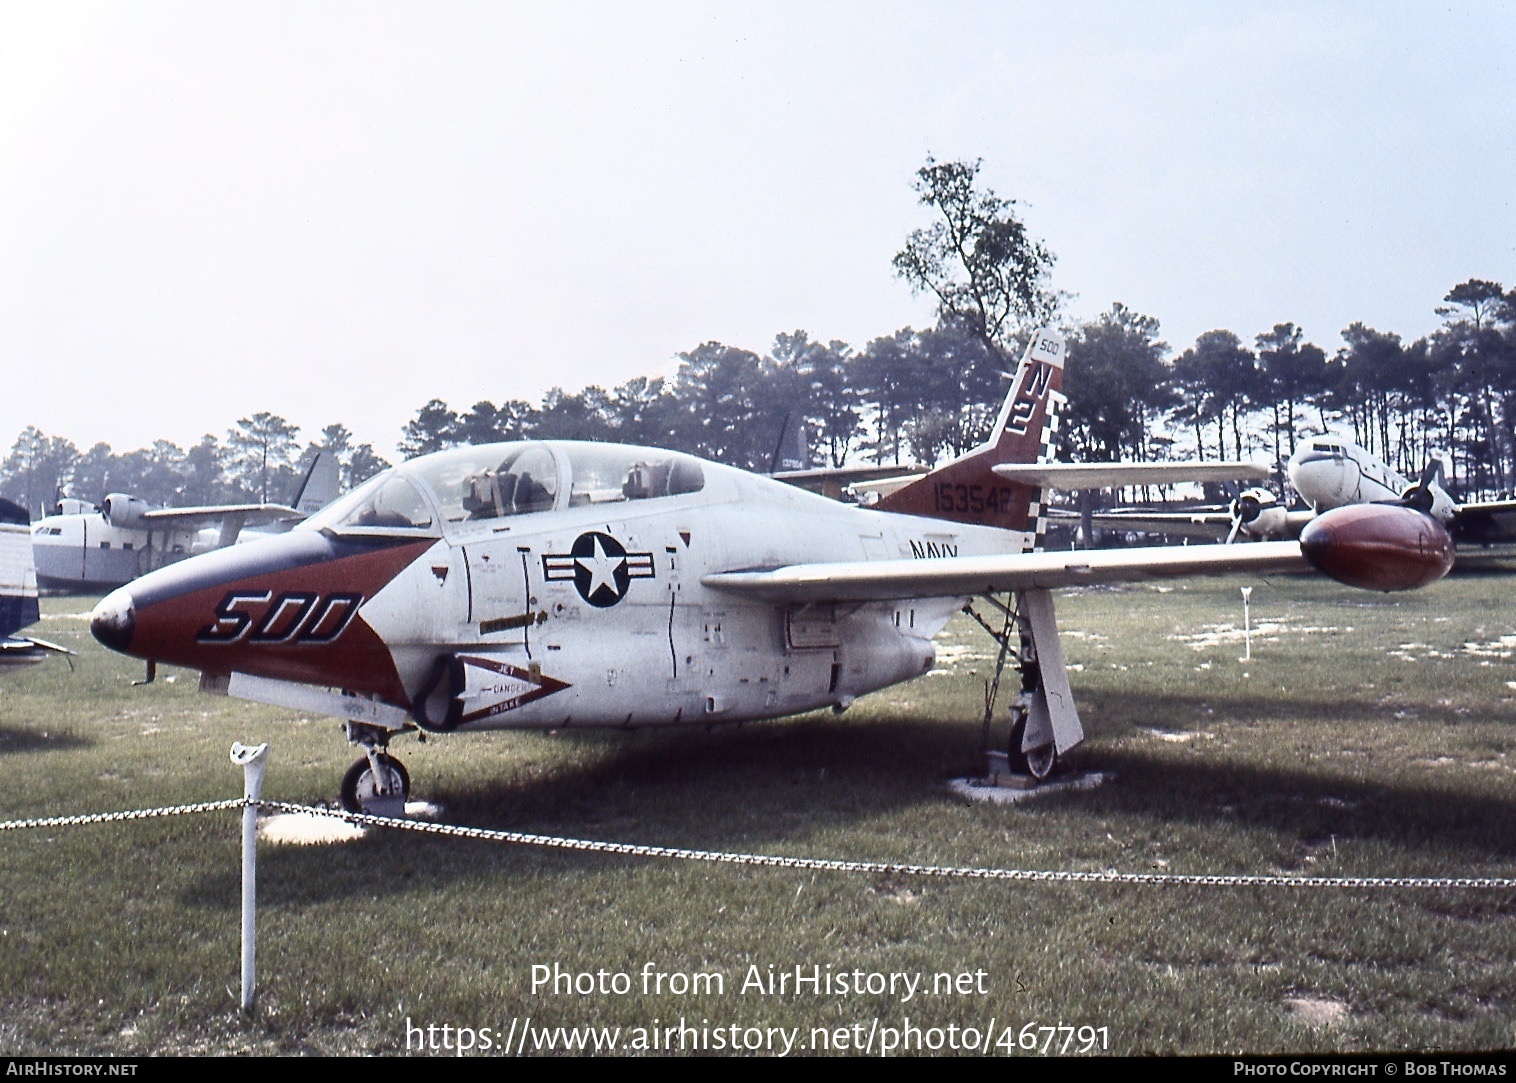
point(790, 450)
point(967, 489)
point(320, 483)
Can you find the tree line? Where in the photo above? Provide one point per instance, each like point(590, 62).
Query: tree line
point(257, 462)
point(923, 395)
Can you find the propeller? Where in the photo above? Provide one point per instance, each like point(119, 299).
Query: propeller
point(1248, 508)
point(1422, 496)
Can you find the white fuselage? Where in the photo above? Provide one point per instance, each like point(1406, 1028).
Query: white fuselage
point(1329, 472)
point(552, 584)
point(86, 551)
point(661, 648)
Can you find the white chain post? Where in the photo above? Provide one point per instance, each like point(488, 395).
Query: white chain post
point(252, 762)
point(1247, 623)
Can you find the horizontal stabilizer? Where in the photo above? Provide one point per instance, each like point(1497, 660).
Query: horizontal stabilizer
point(882, 486)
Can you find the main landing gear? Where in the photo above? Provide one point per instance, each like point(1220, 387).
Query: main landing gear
point(1036, 762)
point(376, 783)
point(1044, 721)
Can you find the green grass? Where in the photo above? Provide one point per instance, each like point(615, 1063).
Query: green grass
point(1367, 736)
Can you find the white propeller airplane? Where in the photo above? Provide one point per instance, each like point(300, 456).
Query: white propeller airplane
point(549, 584)
point(86, 548)
point(1329, 472)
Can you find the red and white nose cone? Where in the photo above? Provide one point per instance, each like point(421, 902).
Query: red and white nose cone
point(1378, 547)
point(114, 620)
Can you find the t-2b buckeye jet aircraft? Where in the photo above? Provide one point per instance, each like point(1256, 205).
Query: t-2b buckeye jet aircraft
point(553, 584)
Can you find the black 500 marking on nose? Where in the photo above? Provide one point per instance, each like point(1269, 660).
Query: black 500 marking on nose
point(291, 617)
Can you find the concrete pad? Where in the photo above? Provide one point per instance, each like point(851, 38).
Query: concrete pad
point(1014, 789)
point(316, 828)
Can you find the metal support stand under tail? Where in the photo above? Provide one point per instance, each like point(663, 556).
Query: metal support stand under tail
point(1044, 720)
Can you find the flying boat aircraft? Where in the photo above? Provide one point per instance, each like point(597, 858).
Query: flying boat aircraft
point(550, 585)
point(85, 547)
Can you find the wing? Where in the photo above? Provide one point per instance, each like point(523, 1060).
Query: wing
point(1213, 523)
point(231, 518)
point(1122, 475)
point(19, 645)
point(247, 513)
point(1484, 523)
point(885, 580)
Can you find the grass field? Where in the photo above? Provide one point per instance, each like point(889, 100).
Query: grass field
point(1368, 736)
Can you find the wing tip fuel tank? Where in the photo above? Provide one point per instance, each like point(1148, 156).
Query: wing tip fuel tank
point(1383, 547)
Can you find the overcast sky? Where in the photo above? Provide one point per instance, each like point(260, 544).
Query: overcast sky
point(335, 212)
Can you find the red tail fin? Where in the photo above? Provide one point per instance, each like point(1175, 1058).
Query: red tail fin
point(967, 490)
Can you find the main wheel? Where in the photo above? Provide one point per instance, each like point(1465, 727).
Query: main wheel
point(359, 786)
point(1037, 762)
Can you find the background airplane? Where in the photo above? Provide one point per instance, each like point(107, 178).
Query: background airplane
point(555, 584)
point(89, 548)
point(1328, 472)
point(791, 463)
point(18, 590)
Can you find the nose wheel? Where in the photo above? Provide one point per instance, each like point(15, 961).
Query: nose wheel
point(376, 777)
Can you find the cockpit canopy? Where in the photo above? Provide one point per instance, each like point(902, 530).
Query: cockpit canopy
point(444, 492)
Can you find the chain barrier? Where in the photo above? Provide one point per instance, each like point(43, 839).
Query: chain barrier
point(814, 864)
point(892, 869)
point(135, 814)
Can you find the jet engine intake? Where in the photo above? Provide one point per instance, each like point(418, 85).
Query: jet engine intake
point(479, 687)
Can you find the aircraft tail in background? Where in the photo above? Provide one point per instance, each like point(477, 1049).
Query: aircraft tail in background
point(319, 485)
point(967, 490)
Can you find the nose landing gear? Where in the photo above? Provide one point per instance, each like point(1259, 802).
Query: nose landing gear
point(375, 783)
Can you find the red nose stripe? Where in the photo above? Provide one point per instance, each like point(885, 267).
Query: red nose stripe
point(299, 623)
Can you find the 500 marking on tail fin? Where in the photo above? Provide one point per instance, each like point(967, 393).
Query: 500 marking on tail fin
point(291, 617)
